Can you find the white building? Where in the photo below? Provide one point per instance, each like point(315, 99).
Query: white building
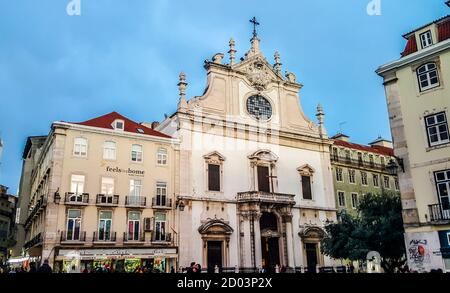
point(254, 179)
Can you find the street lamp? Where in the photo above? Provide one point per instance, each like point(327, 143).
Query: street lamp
point(57, 197)
point(392, 166)
point(180, 204)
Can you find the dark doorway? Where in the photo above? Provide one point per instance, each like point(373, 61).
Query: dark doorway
point(270, 253)
point(263, 179)
point(311, 256)
point(214, 255)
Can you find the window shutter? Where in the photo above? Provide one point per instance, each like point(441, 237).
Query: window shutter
point(148, 224)
point(213, 177)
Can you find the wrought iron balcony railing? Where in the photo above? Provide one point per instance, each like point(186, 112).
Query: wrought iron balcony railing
point(107, 200)
point(439, 212)
point(359, 163)
point(105, 237)
point(73, 236)
point(77, 198)
point(161, 237)
point(136, 201)
point(161, 202)
point(133, 237)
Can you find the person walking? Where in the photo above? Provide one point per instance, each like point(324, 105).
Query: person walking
point(45, 268)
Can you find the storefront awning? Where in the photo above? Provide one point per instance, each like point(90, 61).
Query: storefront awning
point(17, 259)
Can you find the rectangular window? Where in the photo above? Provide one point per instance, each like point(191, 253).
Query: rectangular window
point(383, 162)
point(437, 129)
point(263, 179)
point(80, 147)
point(386, 182)
point(341, 198)
point(107, 186)
point(104, 226)
point(397, 186)
point(371, 162)
point(354, 200)
point(428, 76)
point(360, 159)
point(306, 187)
point(351, 176)
point(73, 225)
point(347, 156)
point(77, 188)
point(426, 39)
point(160, 227)
point(162, 156)
point(135, 188)
point(161, 193)
point(375, 180)
point(109, 150)
point(364, 178)
point(443, 187)
point(134, 226)
point(136, 153)
point(335, 154)
point(339, 177)
point(213, 177)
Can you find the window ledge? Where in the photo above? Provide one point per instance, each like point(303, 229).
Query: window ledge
point(440, 146)
point(429, 90)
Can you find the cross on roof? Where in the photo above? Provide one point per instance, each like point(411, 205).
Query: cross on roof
point(255, 23)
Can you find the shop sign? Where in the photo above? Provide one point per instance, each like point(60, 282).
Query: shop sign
point(119, 252)
point(128, 171)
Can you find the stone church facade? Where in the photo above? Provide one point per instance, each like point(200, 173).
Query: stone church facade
point(253, 179)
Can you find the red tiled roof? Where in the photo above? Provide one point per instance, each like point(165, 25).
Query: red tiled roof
point(107, 120)
point(443, 25)
point(444, 30)
point(373, 149)
point(411, 46)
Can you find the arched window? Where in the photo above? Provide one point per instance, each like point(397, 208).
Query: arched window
point(162, 156)
point(80, 147)
point(109, 150)
point(428, 76)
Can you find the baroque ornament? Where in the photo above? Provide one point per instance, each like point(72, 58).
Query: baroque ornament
point(258, 75)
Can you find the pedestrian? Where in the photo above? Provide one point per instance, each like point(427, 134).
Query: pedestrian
point(172, 270)
point(216, 269)
point(45, 268)
point(192, 269)
point(199, 268)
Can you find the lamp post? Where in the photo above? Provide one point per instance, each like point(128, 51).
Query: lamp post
point(392, 166)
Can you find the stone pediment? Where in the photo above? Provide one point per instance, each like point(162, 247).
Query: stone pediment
point(258, 72)
point(215, 226)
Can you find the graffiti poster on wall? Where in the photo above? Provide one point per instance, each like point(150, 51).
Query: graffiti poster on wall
point(423, 251)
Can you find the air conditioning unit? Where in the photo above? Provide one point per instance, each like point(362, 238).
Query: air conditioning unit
point(148, 224)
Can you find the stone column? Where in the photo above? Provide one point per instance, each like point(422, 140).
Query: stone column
point(258, 253)
point(246, 248)
point(290, 242)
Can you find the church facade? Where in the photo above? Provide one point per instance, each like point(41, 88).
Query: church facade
point(254, 185)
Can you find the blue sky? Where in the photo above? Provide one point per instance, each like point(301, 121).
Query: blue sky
point(125, 56)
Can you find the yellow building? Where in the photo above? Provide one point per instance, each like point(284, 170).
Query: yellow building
point(102, 195)
point(418, 98)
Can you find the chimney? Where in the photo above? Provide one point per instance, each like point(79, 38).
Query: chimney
point(341, 136)
point(381, 142)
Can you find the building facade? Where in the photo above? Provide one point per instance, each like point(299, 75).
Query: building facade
point(100, 194)
point(255, 176)
point(418, 101)
point(7, 223)
point(360, 169)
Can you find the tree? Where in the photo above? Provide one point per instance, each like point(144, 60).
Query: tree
point(377, 227)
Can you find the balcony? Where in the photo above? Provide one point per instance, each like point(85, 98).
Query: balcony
point(133, 238)
point(358, 163)
point(160, 202)
point(105, 237)
point(36, 240)
point(439, 213)
point(76, 198)
point(266, 197)
point(107, 200)
point(72, 237)
point(161, 238)
point(136, 201)
point(37, 209)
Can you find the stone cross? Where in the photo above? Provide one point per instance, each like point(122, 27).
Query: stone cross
point(255, 23)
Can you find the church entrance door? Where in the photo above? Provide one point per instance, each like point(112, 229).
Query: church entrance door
point(214, 255)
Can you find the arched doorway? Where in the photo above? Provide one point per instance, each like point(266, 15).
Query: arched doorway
point(270, 241)
point(216, 237)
